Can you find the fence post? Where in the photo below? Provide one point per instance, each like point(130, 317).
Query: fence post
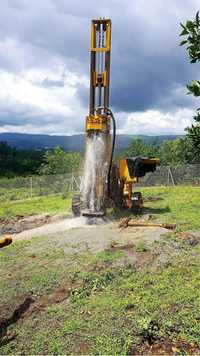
point(31, 186)
point(171, 176)
point(76, 185)
point(72, 183)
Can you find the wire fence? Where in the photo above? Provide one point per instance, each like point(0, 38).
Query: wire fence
point(21, 188)
point(172, 176)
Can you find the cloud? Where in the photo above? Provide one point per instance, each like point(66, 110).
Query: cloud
point(153, 122)
point(25, 101)
point(44, 65)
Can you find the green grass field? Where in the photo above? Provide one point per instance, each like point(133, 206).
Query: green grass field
point(91, 303)
point(179, 205)
point(51, 204)
point(86, 304)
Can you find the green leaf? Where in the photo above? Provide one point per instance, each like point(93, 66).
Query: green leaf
point(183, 42)
point(184, 32)
point(190, 25)
point(194, 87)
point(197, 18)
point(183, 26)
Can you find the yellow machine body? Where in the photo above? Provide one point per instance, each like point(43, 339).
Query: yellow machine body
point(97, 123)
point(127, 180)
point(124, 172)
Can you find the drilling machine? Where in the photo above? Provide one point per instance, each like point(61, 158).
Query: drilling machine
point(110, 184)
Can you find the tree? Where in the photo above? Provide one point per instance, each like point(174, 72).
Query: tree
point(191, 32)
point(58, 162)
point(175, 152)
point(139, 148)
point(15, 162)
point(170, 152)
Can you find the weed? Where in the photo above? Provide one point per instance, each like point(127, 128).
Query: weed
point(141, 247)
point(91, 282)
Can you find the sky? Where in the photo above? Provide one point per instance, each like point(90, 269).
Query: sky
point(44, 65)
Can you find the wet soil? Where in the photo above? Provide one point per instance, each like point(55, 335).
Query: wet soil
point(21, 223)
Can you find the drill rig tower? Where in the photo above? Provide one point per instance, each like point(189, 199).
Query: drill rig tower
point(99, 75)
point(98, 138)
point(105, 183)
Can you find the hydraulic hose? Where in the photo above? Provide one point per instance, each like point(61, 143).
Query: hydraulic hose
point(113, 148)
point(109, 112)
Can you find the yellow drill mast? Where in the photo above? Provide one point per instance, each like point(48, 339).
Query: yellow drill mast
point(98, 119)
point(105, 183)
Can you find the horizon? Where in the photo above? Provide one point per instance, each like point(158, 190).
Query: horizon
point(82, 134)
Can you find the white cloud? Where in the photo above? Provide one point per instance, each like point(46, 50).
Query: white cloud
point(44, 65)
point(153, 122)
point(35, 107)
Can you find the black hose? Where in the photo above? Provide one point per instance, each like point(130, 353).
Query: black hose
point(113, 148)
point(109, 112)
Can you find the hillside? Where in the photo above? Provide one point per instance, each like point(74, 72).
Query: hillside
point(71, 143)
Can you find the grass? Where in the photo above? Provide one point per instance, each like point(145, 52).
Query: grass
point(178, 205)
point(88, 303)
point(18, 188)
point(47, 204)
point(105, 309)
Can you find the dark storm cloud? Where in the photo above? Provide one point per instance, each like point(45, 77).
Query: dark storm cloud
point(147, 62)
point(148, 67)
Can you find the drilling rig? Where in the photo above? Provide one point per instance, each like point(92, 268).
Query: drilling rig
point(104, 182)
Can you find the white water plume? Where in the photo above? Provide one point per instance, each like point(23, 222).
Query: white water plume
point(95, 172)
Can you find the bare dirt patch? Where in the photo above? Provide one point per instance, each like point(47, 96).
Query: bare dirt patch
point(168, 347)
point(191, 237)
point(17, 314)
point(21, 223)
point(131, 256)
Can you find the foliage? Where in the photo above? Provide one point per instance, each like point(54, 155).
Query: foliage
point(18, 162)
point(139, 148)
point(176, 152)
point(58, 162)
point(191, 32)
point(194, 88)
point(171, 152)
point(15, 162)
point(193, 134)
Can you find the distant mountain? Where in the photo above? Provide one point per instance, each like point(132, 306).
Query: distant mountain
point(72, 143)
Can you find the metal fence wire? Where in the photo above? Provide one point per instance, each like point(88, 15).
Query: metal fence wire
point(171, 176)
point(27, 187)
point(20, 188)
